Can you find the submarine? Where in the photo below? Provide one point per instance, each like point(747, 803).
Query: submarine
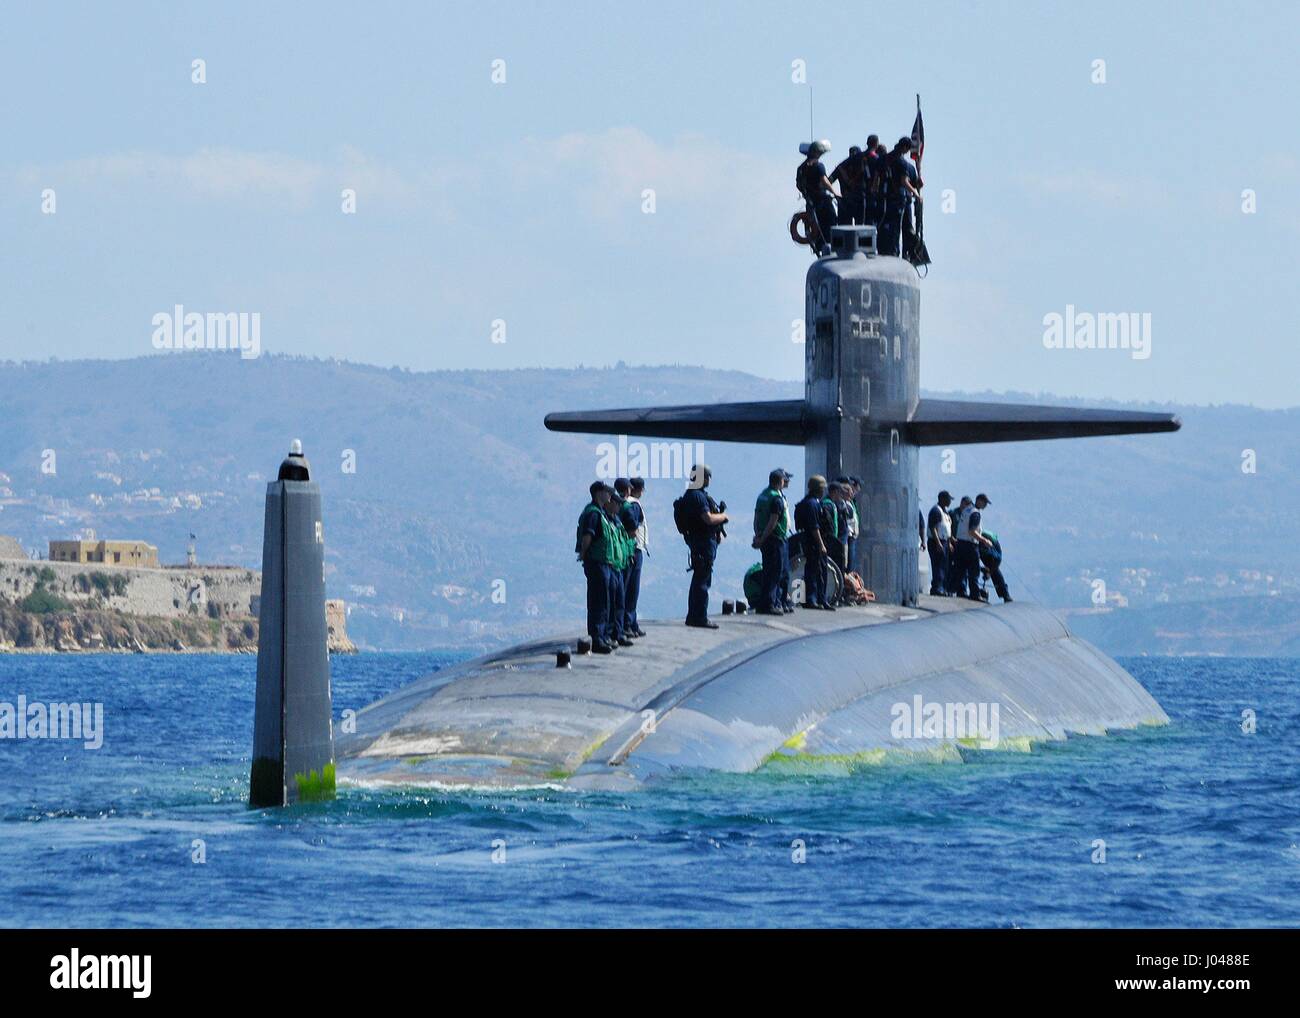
point(813, 686)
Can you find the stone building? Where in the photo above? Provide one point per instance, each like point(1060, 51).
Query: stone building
point(109, 553)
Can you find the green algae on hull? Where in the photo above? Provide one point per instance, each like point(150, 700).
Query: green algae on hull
point(316, 786)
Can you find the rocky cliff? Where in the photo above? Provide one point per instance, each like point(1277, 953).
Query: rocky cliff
point(64, 606)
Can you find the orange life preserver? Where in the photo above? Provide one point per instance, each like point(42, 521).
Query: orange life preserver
point(810, 228)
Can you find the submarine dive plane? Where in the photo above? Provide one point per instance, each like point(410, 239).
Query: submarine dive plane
point(809, 686)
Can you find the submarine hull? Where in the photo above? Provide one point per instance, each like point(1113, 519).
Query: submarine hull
point(860, 684)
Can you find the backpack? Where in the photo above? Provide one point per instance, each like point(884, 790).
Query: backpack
point(807, 181)
point(807, 515)
point(876, 176)
point(681, 516)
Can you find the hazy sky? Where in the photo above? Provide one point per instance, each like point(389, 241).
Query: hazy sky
point(522, 201)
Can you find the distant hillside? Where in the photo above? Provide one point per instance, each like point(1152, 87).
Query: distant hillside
point(456, 527)
point(1236, 626)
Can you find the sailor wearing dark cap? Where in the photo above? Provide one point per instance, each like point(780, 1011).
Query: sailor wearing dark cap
point(969, 541)
point(701, 524)
point(938, 533)
point(901, 193)
point(632, 516)
point(808, 516)
point(850, 174)
point(991, 550)
point(770, 535)
point(596, 552)
point(955, 582)
point(618, 571)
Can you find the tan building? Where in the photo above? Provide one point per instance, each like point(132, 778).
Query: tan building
point(109, 553)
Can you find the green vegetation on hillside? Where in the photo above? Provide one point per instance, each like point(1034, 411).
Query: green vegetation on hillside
point(41, 601)
point(439, 455)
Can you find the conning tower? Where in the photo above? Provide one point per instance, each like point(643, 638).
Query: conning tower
point(862, 412)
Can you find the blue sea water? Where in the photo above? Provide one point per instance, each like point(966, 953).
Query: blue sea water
point(1201, 822)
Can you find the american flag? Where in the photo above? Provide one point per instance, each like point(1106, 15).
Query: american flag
point(918, 136)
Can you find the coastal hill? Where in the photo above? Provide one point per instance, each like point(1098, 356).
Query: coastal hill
point(450, 510)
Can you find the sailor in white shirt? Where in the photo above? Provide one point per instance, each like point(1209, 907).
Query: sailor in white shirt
point(938, 535)
point(633, 515)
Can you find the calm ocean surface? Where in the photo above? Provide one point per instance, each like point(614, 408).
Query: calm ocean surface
point(1201, 822)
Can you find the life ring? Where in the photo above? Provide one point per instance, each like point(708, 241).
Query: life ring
point(810, 228)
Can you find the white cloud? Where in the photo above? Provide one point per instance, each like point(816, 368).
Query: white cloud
point(705, 188)
point(1110, 190)
point(233, 174)
point(725, 188)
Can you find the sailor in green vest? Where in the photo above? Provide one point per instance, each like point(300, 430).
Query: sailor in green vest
point(618, 572)
point(770, 534)
point(835, 515)
point(792, 546)
point(633, 517)
point(596, 552)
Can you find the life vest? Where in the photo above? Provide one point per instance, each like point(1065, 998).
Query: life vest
point(961, 524)
point(945, 523)
point(769, 500)
point(835, 518)
point(855, 521)
point(604, 548)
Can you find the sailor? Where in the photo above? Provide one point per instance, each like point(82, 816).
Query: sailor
point(618, 571)
point(596, 553)
point(791, 546)
point(969, 541)
point(991, 553)
point(857, 523)
point(955, 580)
point(817, 191)
point(938, 534)
point(900, 193)
point(850, 175)
point(770, 535)
point(704, 520)
point(633, 519)
point(873, 177)
point(850, 524)
point(834, 516)
point(808, 520)
point(912, 210)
